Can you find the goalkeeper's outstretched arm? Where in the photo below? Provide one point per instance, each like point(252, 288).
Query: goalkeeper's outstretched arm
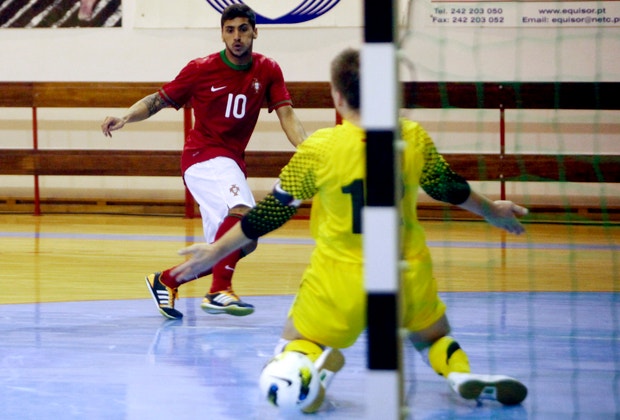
point(441, 183)
point(269, 214)
point(500, 213)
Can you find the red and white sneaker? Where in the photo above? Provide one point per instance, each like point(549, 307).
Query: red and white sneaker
point(225, 302)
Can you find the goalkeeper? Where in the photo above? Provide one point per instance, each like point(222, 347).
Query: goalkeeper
point(329, 310)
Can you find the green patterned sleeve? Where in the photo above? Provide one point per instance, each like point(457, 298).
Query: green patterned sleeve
point(439, 181)
point(299, 177)
point(268, 215)
point(297, 182)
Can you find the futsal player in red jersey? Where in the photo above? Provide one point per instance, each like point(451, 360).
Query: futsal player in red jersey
point(226, 90)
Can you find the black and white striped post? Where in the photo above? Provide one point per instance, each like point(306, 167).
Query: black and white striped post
point(379, 109)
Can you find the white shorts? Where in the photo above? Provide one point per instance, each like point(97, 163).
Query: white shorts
point(217, 185)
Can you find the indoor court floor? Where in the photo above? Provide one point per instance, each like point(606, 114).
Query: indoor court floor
point(81, 338)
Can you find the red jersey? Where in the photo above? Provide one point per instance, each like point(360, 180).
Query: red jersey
point(227, 99)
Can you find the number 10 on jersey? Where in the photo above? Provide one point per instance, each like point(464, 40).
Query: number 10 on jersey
point(236, 106)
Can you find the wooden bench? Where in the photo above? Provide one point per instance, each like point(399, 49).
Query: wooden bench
point(500, 166)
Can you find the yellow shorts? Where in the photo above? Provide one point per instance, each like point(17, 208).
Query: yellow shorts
point(330, 306)
point(421, 305)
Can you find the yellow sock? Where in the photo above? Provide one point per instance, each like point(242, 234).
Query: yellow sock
point(312, 350)
point(446, 356)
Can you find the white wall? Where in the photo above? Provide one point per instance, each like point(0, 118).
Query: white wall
point(432, 54)
point(438, 53)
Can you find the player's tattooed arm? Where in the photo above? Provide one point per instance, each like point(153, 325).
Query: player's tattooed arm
point(154, 103)
point(139, 111)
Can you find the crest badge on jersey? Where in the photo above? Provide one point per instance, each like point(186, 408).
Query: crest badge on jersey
point(256, 85)
point(281, 11)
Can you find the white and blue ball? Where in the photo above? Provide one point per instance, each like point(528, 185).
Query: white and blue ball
point(290, 381)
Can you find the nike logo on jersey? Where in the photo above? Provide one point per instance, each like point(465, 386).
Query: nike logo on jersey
point(215, 89)
point(229, 268)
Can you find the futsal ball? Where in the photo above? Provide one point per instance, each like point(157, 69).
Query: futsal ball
point(290, 381)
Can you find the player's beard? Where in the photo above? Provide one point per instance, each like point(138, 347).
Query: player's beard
point(243, 54)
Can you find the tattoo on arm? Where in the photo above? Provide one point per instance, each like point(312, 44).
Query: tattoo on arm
point(154, 103)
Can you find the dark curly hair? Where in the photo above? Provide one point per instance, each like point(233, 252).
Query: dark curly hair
point(238, 10)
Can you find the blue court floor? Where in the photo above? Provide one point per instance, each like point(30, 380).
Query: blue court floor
point(122, 360)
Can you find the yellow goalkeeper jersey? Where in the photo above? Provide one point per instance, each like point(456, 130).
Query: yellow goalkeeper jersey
point(330, 167)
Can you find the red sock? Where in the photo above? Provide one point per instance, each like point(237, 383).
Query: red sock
point(223, 271)
point(169, 280)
